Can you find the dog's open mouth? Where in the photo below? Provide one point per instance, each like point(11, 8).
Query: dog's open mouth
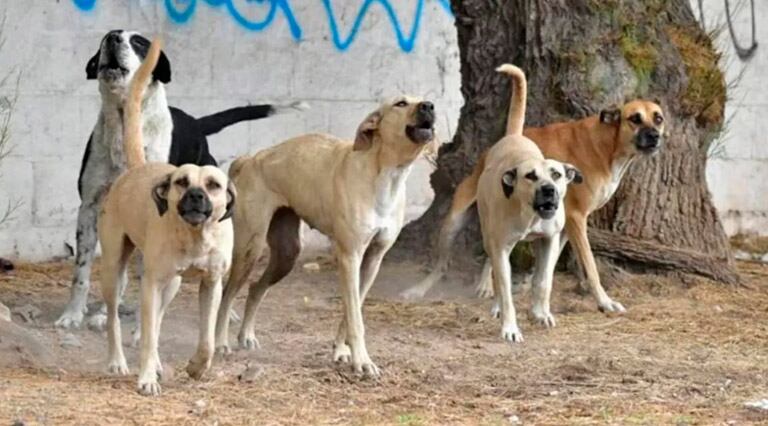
point(420, 133)
point(546, 210)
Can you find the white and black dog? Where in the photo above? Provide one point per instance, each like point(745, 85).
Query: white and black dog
point(169, 135)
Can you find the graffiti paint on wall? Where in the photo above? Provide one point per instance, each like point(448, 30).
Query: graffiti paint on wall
point(181, 11)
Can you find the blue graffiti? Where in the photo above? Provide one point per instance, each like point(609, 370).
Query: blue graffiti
point(181, 11)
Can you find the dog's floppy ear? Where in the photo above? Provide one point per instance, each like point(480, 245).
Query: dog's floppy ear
point(92, 67)
point(508, 182)
point(162, 72)
point(610, 116)
point(573, 174)
point(160, 194)
point(231, 196)
point(365, 131)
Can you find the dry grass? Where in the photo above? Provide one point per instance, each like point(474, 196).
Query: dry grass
point(687, 352)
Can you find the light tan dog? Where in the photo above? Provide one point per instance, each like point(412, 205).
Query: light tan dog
point(602, 147)
point(179, 219)
point(520, 198)
point(353, 192)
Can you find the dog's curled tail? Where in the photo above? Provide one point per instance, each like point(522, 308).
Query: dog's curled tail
point(133, 145)
point(463, 198)
point(516, 118)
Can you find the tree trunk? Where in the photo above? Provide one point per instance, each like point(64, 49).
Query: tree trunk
point(581, 56)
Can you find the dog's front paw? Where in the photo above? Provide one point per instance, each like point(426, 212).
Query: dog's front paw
point(511, 333)
point(197, 367)
point(608, 305)
point(249, 342)
point(71, 318)
point(341, 353)
point(149, 388)
point(118, 368)
point(413, 293)
point(366, 368)
point(544, 318)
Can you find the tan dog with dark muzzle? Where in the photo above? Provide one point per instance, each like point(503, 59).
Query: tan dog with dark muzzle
point(602, 147)
point(520, 198)
point(353, 192)
point(179, 219)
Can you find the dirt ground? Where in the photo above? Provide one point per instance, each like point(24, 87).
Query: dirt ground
point(688, 351)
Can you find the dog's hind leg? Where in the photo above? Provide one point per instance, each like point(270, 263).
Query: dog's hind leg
point(576, 226)
point(94, 181)
point(250, 240)
point(116, 250)
point(284, 247)
point(546, 250)
point(209, 300)
point(463, 199)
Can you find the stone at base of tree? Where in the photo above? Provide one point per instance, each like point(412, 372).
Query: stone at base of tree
point(5, 313)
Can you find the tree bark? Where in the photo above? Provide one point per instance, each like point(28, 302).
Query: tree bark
point(581, 56)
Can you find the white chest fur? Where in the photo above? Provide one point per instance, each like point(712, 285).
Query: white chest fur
point(604, 193)
point(388, 201)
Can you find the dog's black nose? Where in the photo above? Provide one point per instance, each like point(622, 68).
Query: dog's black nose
point(113, 37)
point(426, 107)
point(548, 191)
point(195, 194)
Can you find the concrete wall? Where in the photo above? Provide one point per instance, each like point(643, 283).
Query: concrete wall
point(341, 61)
point(738, 173)
point(219, 59)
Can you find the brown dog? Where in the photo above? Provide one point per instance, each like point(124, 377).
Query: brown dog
point(602, 147)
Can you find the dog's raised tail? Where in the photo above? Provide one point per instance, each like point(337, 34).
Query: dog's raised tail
point(133, 144)
point(516, 117)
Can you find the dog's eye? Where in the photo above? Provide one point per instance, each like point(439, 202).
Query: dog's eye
point(212, 185)
point(532, 176)
point(658, 119)
point(636, 118)
point(555, 174)
point(402, 104)
point(182, 182)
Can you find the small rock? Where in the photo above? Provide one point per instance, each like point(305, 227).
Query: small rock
point(764, 258)
point(28, 313)
point(311, 267)
point(200, 404)
point(6, 265)
point(5, 313)
point(718, 309)
point(761, 405)
point(251, 373)
point(70, 341)
point(742, 255)
point(513, 419)
point(554, 393)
